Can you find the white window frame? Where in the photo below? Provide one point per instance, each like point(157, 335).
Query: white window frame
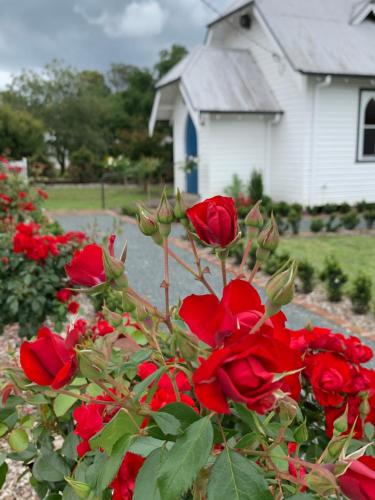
point(365, 97)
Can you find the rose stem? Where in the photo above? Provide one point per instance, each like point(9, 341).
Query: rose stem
point(197, 259)
point(254, 271)
point(166, 283)
point(153, 310)
point(224, 270)
point(245, 257)
point(260, 322)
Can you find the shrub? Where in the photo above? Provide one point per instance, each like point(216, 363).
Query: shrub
point(329, 208)
point(275, 261)
point(369, 217)
point(84, 167)
point(316, 224)
point(332, 224)
point(129, 209)
point(294, 219)
point(236, 188)
point(344, 208)
point(335, 279)
point(282, 224)
point(281, 208)
point(306, 274)
point(256, 187)
point(361, 294)
point(350, 220)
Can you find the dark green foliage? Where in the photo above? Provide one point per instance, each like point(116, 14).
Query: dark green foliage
point(84, 167)
point(350, 220)
point(282, 224)
point(361, 294)
point(281, 208)
point(235, 188)
point(275, 261)
point(329, 208)
point(294, 219)
point(369, 216)
point(332, 224)
point(335, 279)
point(256, 187)
point(316, 225)
point(306, 274)
point(344, 208)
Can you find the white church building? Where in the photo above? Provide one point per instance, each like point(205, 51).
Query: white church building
point(285, 87)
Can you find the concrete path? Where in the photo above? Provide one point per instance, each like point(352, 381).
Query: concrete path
point(145, 266)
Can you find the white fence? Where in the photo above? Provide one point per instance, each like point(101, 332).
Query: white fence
point(16, 166)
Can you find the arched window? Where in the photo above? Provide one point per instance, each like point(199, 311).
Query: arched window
point(366, 144)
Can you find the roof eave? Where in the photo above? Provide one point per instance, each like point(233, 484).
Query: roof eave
point(228, 14)
point(336, 75)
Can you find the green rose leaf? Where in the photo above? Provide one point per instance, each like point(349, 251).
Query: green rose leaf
point(121, 424)
point(146, 486)
point(3, 473)
point(235, 477)
point(111, 466)
point(166, 422)
point(51, 467)
point(62, 404)
point(186, 458)
point(18, 440)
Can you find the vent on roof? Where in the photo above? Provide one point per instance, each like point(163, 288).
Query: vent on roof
point(245, 21)
point(366, 12)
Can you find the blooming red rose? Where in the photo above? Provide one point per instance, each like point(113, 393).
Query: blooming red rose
point(46, 361)
point(64, 295)
point(330, 378)
point(245, 372)
point(73, 307)
point(124, 483)
point(215, 220)
point(212, 320)
point(332, 413)
point(358, 482)
point(86, 267)
point(3, 176)
point(89, 421)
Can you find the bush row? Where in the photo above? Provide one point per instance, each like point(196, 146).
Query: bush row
point(332, 275)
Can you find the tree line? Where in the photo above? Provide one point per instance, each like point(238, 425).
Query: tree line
point(84, 115)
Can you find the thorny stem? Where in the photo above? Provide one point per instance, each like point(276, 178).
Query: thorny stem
point(224, 270)
point(197, 259)
point(152, 309)
point(244, 257)
point(166, 284)
point(254, 271)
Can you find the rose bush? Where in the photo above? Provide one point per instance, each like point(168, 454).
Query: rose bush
point(213, 399)
point(33, 253)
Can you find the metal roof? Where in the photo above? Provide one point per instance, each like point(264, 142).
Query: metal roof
point(320, 36)
point(222, 80)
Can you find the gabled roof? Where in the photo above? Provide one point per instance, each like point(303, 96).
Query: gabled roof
point(222, 80)
point(320, 36)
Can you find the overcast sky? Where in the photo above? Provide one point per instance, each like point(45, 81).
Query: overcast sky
point(94, 33)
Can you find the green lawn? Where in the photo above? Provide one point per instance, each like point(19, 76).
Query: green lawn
point(82, 197)
point(355, 253)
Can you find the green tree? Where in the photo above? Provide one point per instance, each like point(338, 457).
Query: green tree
point(20, 133)
point(169, 58)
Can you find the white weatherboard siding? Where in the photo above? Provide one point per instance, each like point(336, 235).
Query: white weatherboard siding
point(290, 137)
point(230, 144)
point(336, 176)
point(179, 133)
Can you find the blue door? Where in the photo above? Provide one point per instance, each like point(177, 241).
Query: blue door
point(191, 152)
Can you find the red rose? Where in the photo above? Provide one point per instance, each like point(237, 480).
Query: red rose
point(73, 307)
point(358, 482)
point(86, 267)
point(147, 368)
point(330, 377)
point(63, 295)
point(212, 320)
point(46, 361)
point(244, 372)
point(124, 483)
point(164, 397)
point(89, 421)
point(42, 194)
point(102, 328)
point(215, 220)
point(333, 413)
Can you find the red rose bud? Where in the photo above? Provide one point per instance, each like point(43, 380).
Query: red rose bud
point(46, 361)
point(165, 215)
point(254, 220)
point(215, 221)
point(179, 207)
point(268, 238)
point(358, 482)
point(146, 222)
point(86, 267)
point(280, 287)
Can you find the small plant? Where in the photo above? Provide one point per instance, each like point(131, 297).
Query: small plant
point(335, 279)
point(306, 274)
point(275, 262)
point(282, 224)
point(329, 208)
point(350, 220)
point(256, 187)
point(294, 219)
point(281, 208)
point(369, 216)
point(361, 294)
point(332, 224)
point(235, 188)
point(316, 224)
point(344, 208)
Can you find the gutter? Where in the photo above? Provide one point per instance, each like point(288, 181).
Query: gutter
point(311, 174)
